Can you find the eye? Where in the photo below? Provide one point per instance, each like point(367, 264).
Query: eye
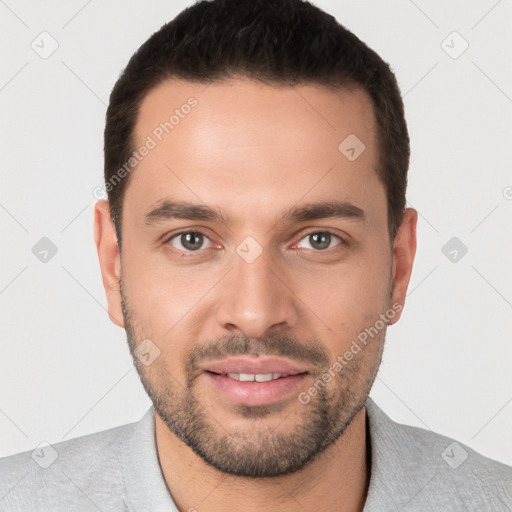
point(190, 241)
point(319, 241)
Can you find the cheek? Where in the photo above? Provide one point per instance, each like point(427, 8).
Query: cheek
point(164, 297)
point(148, 289)
point(349, 298)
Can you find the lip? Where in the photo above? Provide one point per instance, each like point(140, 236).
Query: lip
point(253, 365)
point(254, 393)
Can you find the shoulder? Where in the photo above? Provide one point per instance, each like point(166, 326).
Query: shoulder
point(424, 468)
point(80, 471)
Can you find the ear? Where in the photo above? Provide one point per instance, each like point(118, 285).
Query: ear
point(110, 260)
point(404, 250)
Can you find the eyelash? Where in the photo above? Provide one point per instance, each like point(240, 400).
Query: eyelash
point(185, 253)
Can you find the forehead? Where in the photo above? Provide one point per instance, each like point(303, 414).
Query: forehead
point(241, 144)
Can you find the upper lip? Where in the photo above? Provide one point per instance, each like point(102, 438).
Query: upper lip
point(253, 366)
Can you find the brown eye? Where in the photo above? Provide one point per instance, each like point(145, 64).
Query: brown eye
point(190, 241)
point(319, 241)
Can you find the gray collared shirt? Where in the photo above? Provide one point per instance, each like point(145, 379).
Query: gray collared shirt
point(118, 470)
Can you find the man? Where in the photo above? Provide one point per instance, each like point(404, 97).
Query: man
point(255, 246)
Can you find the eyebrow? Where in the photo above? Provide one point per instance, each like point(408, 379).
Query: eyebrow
point(168, 210)
point(324, 210)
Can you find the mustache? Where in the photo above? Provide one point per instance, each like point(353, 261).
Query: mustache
point(279, 345)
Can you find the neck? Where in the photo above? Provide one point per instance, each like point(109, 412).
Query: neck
point(336, 480)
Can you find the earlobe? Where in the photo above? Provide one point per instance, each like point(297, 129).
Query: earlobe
point(110, 259)
point(404, 250)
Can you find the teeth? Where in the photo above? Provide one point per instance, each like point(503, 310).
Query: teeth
point(255, 377)
point(263, 377)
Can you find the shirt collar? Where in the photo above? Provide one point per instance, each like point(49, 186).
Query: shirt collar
point(145, 484)
point(397, 475)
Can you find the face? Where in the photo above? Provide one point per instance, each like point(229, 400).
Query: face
point(257, 278)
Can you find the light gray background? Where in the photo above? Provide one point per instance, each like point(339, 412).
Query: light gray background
point(65, 370)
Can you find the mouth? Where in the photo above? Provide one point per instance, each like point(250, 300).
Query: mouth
point(254, 377)
point(254, 381)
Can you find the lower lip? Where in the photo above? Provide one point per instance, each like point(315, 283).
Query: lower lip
point(255, 393)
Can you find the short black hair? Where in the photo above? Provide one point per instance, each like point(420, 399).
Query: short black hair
point(275, 41)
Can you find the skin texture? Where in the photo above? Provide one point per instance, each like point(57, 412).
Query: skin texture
point(251, 152)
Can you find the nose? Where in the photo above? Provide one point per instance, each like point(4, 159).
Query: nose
point(255, 299)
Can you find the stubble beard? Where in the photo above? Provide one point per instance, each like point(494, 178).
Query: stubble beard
point(257, 452)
